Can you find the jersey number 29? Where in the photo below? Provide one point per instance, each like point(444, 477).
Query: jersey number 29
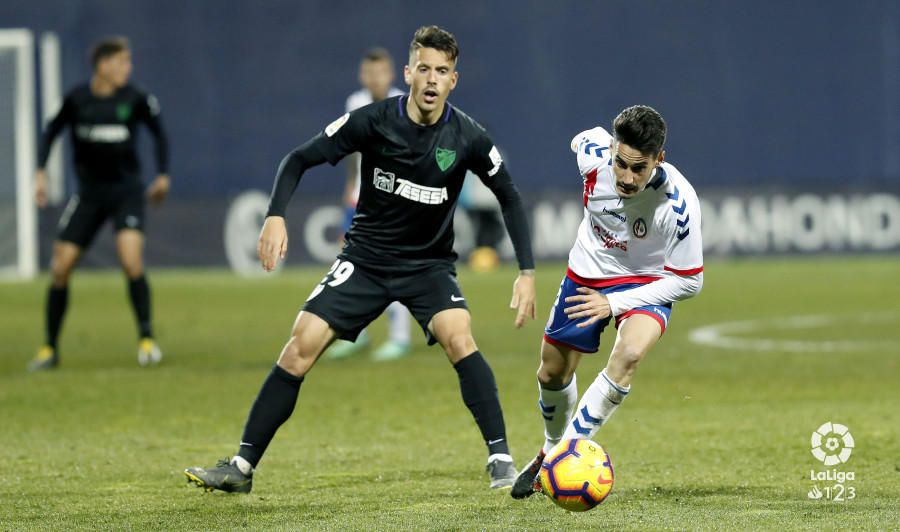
point(338, 274)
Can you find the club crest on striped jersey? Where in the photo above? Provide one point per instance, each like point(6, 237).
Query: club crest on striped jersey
point(639, 228)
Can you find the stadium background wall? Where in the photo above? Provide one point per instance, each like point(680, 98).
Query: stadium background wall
point(799, 100)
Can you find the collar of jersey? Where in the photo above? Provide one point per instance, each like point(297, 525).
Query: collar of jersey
point(401, 106)
point(660, 178)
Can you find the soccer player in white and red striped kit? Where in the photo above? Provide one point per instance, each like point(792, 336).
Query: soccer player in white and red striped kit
point(638, 251)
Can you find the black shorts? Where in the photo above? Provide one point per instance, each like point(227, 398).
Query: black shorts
point(88, 210)
point(352, 295)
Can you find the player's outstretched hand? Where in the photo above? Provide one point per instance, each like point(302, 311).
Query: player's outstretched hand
point(40, 188)
point(273, 242)
point(158, 189)
point(523, 298)
point(593, 304)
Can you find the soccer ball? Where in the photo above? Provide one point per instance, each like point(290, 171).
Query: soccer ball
point(577, 475)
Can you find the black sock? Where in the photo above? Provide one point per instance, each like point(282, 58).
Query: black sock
point(139, 291)
point(57, 301)
point(273, 406)
point(479, 392)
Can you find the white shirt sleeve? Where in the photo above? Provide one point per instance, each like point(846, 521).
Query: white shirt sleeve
point(672, 287)
point(591, 149)
point(684, 245)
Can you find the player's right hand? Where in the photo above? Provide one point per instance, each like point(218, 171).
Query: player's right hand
point(273, 242)
point(40, 188)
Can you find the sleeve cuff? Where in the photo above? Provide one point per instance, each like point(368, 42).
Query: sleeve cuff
point(615, 307)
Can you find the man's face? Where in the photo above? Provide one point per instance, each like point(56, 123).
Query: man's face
point(115, 69)
point(377, 77)
point(632, 168)
point(431, 75)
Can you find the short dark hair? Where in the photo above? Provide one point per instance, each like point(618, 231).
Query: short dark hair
point(437, 38)
point(642, 128)
point(378, 54)
point(107, 47)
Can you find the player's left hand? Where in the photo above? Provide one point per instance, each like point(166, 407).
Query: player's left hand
point(523, 298)
point(592, 303)
point(158, 189)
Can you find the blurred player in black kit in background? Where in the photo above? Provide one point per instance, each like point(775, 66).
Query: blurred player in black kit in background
point(103, 117)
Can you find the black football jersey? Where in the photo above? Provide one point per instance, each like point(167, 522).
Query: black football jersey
point(411, 176)
point(104, 133)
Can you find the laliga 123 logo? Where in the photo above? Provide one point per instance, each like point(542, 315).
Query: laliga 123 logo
point(832, 444)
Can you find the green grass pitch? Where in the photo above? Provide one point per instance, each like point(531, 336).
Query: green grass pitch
point(711, 437)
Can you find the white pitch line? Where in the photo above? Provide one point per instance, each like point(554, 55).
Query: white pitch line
point(721, 334)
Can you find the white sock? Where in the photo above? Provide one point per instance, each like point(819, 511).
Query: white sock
point(398, 319)
point(500, 456)
point(556, 408)
point(597, 404)
point(243, 465)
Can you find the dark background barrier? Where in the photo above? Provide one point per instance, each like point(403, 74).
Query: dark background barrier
point(736, 223)
point(805, 93)
point(762, 98)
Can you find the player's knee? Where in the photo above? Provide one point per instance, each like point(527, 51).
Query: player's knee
point(297, 356)
point(60, 270)
point(553, 376)
point(460, 345)
point(59, 278)
point(132, 266)
point(629, 356)
point(133, 269)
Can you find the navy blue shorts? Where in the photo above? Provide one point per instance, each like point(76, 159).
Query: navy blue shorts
point(562, 331)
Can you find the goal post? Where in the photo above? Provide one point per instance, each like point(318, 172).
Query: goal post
point(18, 213)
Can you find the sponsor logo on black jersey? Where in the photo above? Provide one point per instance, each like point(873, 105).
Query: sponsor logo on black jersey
point(104, 133)
point(496, 160)
point(333, 127)
point(421, 194)
point(387, 182)
point(384, 181)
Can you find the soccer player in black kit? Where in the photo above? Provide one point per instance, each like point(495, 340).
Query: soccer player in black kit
point(103, 117)
point(415, 151)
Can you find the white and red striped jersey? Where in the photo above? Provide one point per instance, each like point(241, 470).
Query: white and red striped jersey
point(652, 237)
